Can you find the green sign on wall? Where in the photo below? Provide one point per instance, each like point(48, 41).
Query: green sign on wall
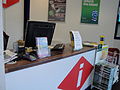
point(90, 11)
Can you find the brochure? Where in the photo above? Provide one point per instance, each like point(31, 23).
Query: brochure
point(42, 45)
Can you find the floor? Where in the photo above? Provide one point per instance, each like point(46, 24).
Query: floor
point(116, 86)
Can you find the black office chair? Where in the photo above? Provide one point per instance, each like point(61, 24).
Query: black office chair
point(113, 54)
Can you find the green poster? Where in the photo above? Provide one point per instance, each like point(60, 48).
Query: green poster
point(90, 11)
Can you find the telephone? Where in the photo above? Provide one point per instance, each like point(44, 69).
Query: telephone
point(30, 57)
point(59, 47)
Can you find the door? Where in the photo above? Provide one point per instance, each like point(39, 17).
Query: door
point(2, 72)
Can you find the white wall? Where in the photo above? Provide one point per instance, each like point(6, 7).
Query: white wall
point(2, 72)
point(90, 32)
point(13, 22)
point(106, 26)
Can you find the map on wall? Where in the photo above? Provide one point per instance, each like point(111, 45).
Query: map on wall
point(56, 10)
point(90, 11)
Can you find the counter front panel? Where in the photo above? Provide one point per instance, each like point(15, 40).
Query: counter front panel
point(67, 70)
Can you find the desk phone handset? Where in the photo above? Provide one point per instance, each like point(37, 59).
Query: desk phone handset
point(58, 47)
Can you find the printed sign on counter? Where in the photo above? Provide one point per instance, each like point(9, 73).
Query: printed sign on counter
point(76, 40)
point(101, 54)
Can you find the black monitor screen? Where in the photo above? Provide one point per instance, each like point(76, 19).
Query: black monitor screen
point(5, 38)
point(38, 29)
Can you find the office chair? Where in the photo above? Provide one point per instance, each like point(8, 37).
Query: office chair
point(113, 55)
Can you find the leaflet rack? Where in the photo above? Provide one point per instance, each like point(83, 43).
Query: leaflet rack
point(103, 76)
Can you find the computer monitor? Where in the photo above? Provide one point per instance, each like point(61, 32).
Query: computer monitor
point(5, 40)
point(38, 29)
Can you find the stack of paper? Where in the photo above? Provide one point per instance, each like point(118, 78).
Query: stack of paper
point(9, 56)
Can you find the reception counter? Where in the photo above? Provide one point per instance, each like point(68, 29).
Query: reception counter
point(63, 70)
